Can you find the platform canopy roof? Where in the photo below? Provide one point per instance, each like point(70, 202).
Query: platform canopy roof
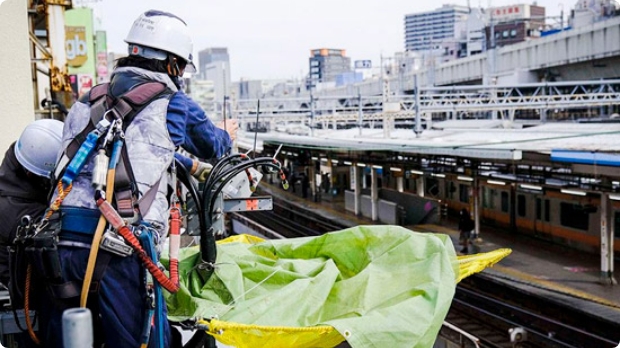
point(485, 139)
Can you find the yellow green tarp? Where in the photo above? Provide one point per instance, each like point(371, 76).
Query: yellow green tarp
point(377, 286)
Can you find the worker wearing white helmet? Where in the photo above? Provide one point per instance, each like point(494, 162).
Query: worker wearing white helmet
point(165, 37)
point(25, 180)
point(160, 50)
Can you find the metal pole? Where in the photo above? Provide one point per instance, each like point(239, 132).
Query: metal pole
point(77, 328)
point(311, 114)
point(360, 112)
point(418, 128)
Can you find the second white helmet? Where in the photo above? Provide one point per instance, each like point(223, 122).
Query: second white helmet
point(156, 31)
point(38, 146)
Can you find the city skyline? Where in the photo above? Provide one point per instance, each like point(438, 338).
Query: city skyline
point(259, 34)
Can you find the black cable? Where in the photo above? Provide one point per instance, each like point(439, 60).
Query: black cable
point(229, 174)
point(186, 179)
point(218, 176)
point(220, 165)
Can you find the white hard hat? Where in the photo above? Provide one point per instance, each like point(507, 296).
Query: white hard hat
point(156, 33)
point(39, 145)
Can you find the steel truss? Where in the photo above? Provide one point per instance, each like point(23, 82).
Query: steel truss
point(440, 103)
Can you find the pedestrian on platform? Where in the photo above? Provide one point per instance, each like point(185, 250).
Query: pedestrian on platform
point(25, 183)
point(305, 185)
point(293, 180)
point(159, 50)
point(466, 225)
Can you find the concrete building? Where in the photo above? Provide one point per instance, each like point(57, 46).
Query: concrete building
point(591, 11)
point(203, 92)
point(16, 96)
point(514, 23)
point(426, 30)
point(326, 64)
point(475, 31)
point(214, 65)
point(211, 55)
point(249, 89)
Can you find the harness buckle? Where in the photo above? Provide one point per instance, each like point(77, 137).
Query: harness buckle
point(115, 244)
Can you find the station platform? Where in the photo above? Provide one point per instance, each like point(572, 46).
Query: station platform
point(567, 276)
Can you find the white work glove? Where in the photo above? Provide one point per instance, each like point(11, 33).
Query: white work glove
point(202, 171)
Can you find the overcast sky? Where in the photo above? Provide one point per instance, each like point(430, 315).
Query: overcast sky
point(269, 39)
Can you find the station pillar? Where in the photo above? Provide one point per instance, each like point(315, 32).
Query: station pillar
point(607, 243)
point(420, 186)
point(313, 182)
point(476, 194)
point(374, 194)
point(357, 189)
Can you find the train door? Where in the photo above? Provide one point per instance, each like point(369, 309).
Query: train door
point(507, 206)
point(542, 216)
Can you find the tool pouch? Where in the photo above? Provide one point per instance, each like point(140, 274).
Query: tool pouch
point(18, 262)
point(42, 250)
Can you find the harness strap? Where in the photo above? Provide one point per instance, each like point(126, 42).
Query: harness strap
point(124, 195)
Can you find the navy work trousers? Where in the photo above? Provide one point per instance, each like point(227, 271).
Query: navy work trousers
point(118, 308)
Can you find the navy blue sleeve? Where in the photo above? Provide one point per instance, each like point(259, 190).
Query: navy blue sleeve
point(185, 161)
point(176, 120)
point(191, 129)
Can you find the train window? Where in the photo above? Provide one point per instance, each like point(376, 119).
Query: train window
point(617, 225)
point(574, 216)
point(487, 198)
point(410, 185)
point(432, 187)
point(547, 210)
point(521, 205)
point(464, 193)
point(538, 209)
point(450, 189)
point(505, 202)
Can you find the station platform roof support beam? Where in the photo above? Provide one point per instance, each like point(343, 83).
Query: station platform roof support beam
point(607, 243)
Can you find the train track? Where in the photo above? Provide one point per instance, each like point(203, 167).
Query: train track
point(482, 303)
point(483, 310)
point(291, 222)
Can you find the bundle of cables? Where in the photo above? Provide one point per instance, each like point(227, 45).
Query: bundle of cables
point(227, 168)
point(222, 172)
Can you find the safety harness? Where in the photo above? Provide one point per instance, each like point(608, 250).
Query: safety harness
point(109, 118)
point(123, 108)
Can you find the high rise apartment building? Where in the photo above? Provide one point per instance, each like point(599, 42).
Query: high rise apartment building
point(211, 55)
point(426, 30)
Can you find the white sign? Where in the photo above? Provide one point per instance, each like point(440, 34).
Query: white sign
point(363, 64)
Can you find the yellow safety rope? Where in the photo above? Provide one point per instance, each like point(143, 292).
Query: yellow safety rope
point(62, 193)
point(31, 332)
point(94, 249)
